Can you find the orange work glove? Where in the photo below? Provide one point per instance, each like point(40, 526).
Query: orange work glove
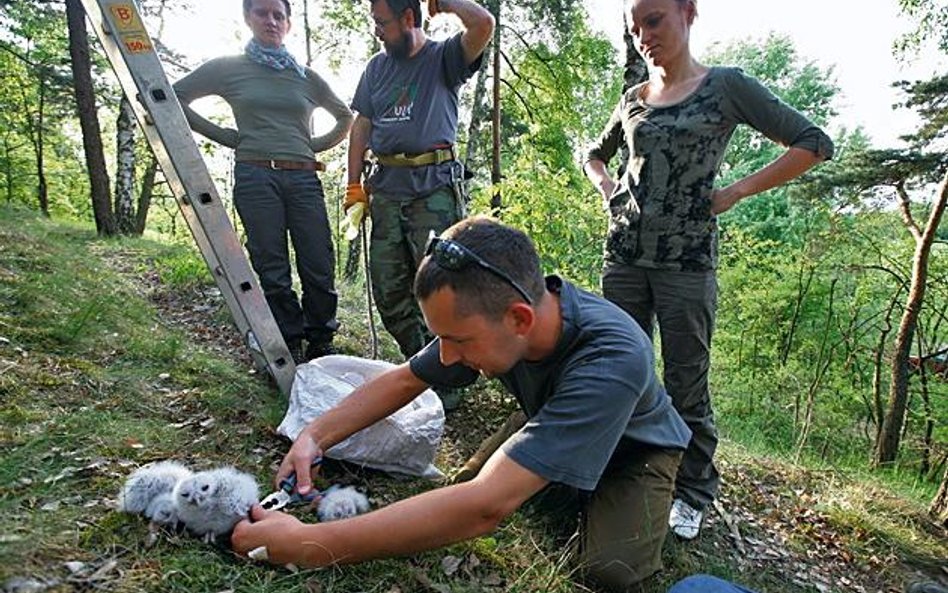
point(355, 194)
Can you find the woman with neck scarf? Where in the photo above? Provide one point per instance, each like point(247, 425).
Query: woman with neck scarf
point(277, 191)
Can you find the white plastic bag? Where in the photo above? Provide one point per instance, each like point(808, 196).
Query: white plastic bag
point(405, 442)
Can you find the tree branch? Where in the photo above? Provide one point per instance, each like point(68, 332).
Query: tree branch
point(905, 204)
point(517, 74)
point(5, 47)
point(523, 101)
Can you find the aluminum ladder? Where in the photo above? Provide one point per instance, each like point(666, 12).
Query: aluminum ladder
point(121, 31)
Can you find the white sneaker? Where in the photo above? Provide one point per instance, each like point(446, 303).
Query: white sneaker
point(684, 520)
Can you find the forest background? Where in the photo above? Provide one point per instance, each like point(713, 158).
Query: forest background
point(832, 337)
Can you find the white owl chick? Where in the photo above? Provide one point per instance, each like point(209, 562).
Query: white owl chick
point(211, 502)
point(341, 502)
point(148, 482)
point(161, 510)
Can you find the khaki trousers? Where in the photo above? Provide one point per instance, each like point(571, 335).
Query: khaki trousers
point(623, 525)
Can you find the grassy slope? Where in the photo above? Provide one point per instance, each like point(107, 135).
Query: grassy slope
point(94, 382)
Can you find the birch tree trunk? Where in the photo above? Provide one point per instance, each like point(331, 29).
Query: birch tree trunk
point(125, 168)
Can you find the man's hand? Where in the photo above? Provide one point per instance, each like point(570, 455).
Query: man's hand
point(355, 194)
point(299, 460)
point(273, 531)
point(432, 7)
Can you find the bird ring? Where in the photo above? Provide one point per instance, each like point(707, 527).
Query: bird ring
point(259, 553)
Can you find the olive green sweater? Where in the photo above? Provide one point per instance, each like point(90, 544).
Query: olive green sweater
point(272, 108)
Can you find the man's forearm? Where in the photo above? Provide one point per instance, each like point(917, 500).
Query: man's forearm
point(426, 521)
point(358, 144)
point(478, 25)
point(471, 13)
point(423, 522)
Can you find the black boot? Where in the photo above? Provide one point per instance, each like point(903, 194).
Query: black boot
point(296, 351)
point(317, 349)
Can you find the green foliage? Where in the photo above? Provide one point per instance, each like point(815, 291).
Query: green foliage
point(559, 99)
point(564, 220)
point(808, 320)
point(931, 19)
point(37, 121)
point(930, 98)
point(182, 267)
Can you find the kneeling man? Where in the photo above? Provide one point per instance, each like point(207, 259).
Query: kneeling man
point(583, 371)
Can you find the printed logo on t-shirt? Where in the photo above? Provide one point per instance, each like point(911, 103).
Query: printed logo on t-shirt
point(401, 103)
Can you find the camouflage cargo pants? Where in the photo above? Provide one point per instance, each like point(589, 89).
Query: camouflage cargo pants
point(399, 234)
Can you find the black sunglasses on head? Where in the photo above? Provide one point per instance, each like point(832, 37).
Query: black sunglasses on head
point(453, 256)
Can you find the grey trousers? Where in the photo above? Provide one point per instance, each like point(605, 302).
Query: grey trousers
point(684, 304)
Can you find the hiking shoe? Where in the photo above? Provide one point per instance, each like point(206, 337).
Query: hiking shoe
point(317, 349)
point(685, 520)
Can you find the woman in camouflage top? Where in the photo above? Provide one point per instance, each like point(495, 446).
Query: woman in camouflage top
point(661, 247)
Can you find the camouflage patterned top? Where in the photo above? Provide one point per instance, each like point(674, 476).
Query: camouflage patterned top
point(660, 212)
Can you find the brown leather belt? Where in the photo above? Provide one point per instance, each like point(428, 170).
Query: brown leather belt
point(435, 157)
point(289, 165)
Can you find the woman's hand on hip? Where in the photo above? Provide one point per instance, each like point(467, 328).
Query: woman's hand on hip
point(723, 200)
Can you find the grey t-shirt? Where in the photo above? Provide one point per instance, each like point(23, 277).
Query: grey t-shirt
point(413, 106)
point(597, 389)
point(660, 212)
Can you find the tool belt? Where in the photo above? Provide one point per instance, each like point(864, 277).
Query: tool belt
point(289, 165)
point(435, 157)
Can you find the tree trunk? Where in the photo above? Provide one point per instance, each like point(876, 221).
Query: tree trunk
point(877, 356)
point(939, 507)
point(478, 114)
point(307, 34)
point(8, 169)
point(89, 119)
point(42, 187)
point(824, 359)
point(887, 447)
point(125, 168)
point(496, 201)
point(34, 129)
point(803, 289)
point(144, 197)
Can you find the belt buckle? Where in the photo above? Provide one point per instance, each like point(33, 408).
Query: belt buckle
point(273, 165)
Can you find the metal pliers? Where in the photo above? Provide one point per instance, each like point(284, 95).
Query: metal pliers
point(286, 494)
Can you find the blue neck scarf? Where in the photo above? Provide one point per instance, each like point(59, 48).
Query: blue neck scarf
point(278, 59)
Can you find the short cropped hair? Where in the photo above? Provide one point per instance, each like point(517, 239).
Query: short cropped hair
point(400, 6)
point(479, 291)
point(248, 4)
